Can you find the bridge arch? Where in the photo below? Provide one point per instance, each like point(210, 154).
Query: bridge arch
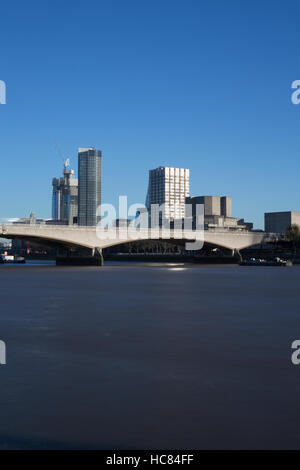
point(89, 237)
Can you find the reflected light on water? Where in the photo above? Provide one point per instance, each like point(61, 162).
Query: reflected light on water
point(176, 267)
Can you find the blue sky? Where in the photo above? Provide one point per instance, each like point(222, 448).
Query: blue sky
point(201, 85)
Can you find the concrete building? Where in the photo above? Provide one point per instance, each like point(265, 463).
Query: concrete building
point(230, 223)
point(279, 222)
point(226, 206)
point(218, 213)
point(89, 185)
point(213, 205)
point(65, 197)
point(169, 186)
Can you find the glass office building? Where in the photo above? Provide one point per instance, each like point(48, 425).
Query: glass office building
point(89, 185)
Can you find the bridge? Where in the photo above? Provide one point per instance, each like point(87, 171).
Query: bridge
point(97, 239)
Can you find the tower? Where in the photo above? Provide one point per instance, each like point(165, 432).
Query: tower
point(89, 185)
point(169, 186)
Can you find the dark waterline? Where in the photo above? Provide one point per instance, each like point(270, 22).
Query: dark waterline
point(160, 356)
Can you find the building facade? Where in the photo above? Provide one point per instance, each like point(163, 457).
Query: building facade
point(218, 213)
point(65, 197)
point(213, 205)
point(89, 185)
point(279, 222)
point(169, 186)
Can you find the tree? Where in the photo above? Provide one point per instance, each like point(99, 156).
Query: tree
point(293, 235)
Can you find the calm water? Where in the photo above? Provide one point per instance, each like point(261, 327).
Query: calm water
point(167, 356)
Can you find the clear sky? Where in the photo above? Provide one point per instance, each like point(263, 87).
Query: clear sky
point(204, 85)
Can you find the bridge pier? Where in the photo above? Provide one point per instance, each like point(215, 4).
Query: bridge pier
point(236, 253)
point(86, 257)
point(97, 253)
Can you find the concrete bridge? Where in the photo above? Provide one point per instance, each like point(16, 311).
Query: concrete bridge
point(97, 239)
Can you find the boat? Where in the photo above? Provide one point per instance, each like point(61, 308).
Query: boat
point(264, 262)
point(11, 259)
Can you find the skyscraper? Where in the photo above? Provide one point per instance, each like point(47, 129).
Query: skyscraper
point(169, 186)
point(65, 196)
point(89, 185)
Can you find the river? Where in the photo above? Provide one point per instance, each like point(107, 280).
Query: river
point(149, 356)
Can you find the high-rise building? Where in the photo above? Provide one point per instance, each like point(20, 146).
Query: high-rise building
point(65, 196)
point(169, 186)
point(89, 185)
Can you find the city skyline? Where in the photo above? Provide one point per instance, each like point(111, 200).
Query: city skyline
point(71, 174)
point(204, 92)
point(77, 201)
